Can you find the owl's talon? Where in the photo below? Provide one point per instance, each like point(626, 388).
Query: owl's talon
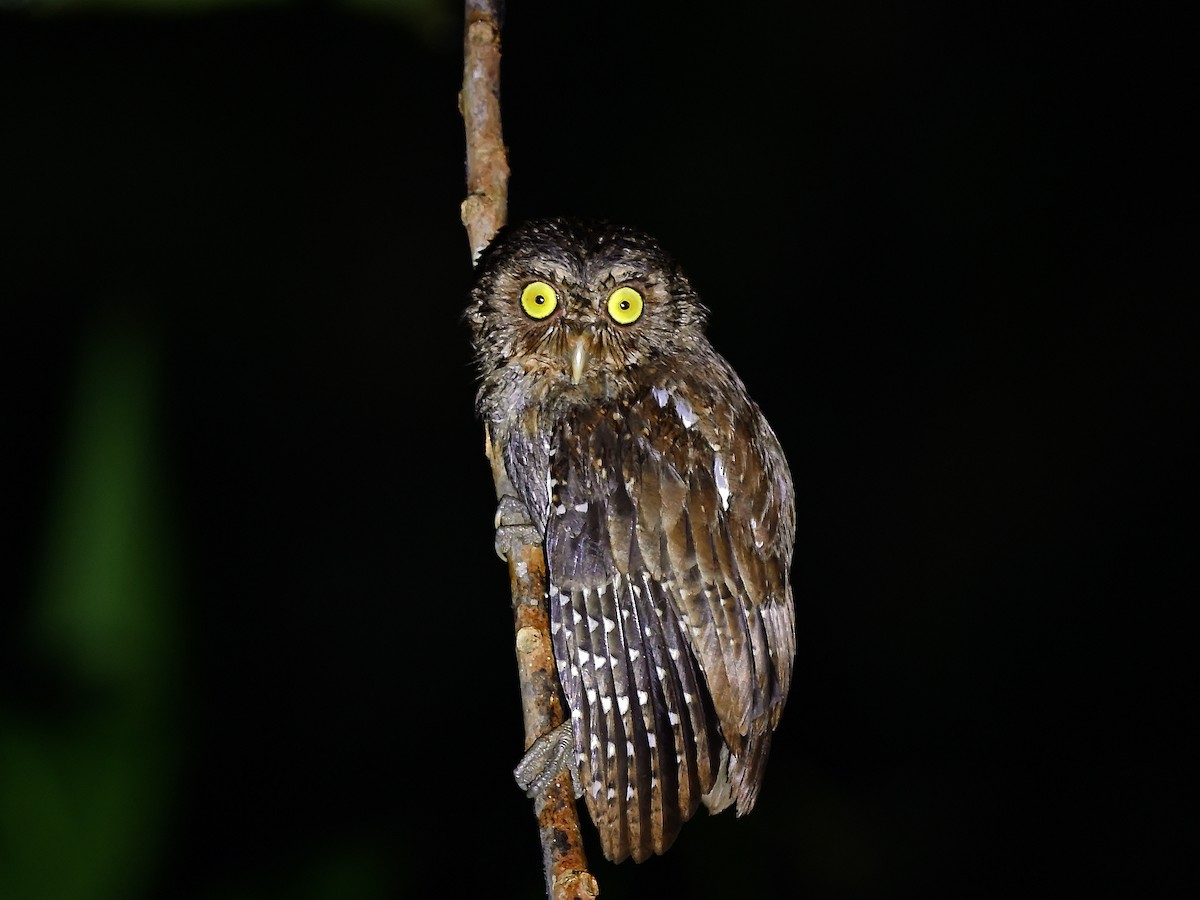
point(514, 528)
point(511, 511)
point(546, 758)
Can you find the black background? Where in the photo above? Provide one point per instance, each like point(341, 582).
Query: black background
point(936, 246)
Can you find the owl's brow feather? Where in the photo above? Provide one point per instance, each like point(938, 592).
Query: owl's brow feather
point(615, 275)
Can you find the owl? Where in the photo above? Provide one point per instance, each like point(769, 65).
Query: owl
point(665, 507)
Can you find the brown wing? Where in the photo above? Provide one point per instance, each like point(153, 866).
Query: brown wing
point(668, 544)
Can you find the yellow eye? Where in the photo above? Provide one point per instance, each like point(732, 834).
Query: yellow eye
point(625, 305)
point(538, 299)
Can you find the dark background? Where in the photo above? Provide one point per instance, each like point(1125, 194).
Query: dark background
point(258, 644)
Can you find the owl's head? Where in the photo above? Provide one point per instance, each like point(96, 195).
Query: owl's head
point(580, 305)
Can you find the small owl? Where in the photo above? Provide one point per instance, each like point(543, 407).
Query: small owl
point(665, 507)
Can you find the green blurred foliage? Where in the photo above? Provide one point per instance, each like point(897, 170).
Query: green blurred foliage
point(86, 773)
point(92, 745)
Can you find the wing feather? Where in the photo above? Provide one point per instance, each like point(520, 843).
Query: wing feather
point(670, 542)
point(642, 761)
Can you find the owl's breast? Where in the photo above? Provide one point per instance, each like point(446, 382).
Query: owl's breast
point(637, 450)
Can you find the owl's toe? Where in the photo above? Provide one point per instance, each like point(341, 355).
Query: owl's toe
point(545, 760)
point(514, 527)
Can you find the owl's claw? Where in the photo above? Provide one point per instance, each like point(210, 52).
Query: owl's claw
point(545, 760)
point(514, 528)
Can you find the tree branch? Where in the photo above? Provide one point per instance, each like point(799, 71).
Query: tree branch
point(486, 206)
point(483, 212)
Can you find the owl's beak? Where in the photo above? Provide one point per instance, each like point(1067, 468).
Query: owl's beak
point(577, 356)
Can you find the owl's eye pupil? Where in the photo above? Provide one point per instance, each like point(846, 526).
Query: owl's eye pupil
point(539, 299)
point(624, 304)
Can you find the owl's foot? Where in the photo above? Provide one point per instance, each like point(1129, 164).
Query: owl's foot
point(514, 528)
point(545, 760)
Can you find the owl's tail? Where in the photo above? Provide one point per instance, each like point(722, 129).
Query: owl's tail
point(745, 772)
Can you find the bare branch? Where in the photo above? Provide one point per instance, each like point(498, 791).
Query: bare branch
point(486, 207)
point(484, 211)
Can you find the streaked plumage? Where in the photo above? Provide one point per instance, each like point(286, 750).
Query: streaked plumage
point(666, 509)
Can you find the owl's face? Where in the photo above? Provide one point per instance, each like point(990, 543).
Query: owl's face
point(579, 306)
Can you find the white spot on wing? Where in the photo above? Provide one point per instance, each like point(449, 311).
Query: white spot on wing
point(721, 479)
point(685, 412)
point(660, 394)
